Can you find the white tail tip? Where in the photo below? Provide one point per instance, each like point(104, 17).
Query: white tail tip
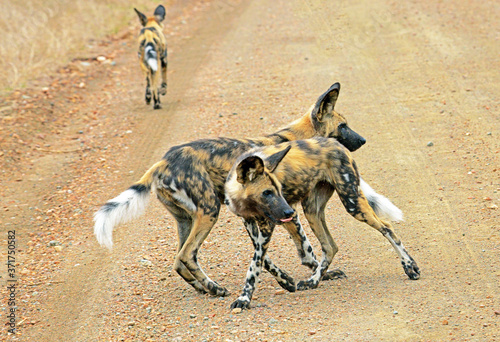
point(382, 206)
point(126, 206)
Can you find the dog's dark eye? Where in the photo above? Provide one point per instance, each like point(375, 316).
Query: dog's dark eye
point(267, 193)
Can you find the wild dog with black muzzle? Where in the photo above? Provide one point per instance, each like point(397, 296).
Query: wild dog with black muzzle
point(265, 184)
point(153, 55)
point(189, 181)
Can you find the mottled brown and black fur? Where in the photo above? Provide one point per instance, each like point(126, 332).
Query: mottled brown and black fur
point(190, 179)
point(306, 172)
point(153, 55)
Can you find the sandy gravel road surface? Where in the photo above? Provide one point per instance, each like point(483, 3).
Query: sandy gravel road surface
point(420, 81)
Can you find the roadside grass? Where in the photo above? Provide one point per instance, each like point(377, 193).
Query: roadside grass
point(39, 36)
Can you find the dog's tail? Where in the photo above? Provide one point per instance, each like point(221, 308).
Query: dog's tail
point(128, 205)
point(151, 56)
point(381, 205)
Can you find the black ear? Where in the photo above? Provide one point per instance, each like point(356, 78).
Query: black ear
point(159, 13)
point(143, 19)
point(274, 160)
point(249, 168)
point(326, 102)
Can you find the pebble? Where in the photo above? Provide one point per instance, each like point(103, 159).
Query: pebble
point(54, 243)
point(58, 248)
point(430, 143)
point(145, 262)
point(236, 310)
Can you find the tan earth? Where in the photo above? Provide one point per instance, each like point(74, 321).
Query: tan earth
point(420, 81)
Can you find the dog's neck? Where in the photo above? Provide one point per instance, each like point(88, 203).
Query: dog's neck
point(301, 128)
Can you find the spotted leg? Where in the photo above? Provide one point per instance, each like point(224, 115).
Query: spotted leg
point(163, 59)
point(364, 213)
point(148, 94)
point(261, 238)
point(283, 279)
point(357, 205)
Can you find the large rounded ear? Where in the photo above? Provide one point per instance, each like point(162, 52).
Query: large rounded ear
point(142, 18)
point(159, 13)
point(326, 102)
point(249, 168)
point(274, 160)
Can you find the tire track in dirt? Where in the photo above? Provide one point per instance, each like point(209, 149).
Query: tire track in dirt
point(422, 48)
point(72, 310)
point(252, 68)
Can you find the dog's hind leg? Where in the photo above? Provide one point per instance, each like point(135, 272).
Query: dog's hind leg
point(328, 246)
point(314, 209)
point(283, 279)
point(261, 236)
point(305, 249)
point(184, 227)
point(357, 205)
point(156, 92)
point(148, 94)
point(184, 224)
point(203, 221)
point(163, 59)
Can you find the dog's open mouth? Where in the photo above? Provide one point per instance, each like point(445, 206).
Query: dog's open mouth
point(287, 219)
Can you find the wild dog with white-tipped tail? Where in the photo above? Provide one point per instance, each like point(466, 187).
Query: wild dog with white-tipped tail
point(189, 181)
point(153, 55)
point(266, 184)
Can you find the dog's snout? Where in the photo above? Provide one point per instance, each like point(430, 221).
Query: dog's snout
point(289, 213)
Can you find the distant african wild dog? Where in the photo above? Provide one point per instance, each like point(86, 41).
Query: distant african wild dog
point(153, 54)
point(189, 181)
point(266, 183)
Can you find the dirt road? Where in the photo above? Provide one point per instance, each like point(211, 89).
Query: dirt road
point(420, 81)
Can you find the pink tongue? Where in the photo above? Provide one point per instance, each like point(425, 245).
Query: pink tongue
point(286, 220)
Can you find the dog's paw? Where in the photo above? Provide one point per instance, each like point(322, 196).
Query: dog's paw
point(311, 263)
point(333, 274)
point(286, 282)
point(241, 303)
point(307, 285)
point(411, 269)
point(163, 89)
point(198, 287)
point(216, 290)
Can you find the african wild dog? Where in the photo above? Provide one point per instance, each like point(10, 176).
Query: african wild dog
point(189, 181)
point(266, 183)
point(153, 54)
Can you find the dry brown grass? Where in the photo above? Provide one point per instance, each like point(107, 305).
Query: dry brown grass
point(38, 36)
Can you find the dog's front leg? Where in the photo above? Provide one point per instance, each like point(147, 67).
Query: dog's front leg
point(302, 243)
point(260, 239)
point(283, 279)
